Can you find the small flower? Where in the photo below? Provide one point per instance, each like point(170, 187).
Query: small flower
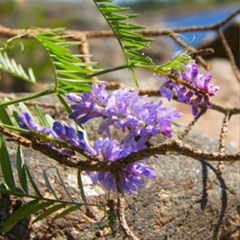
point(199, 91)
point(131, 177)
point(67, 134)
point(58, 131)
point(26, 122)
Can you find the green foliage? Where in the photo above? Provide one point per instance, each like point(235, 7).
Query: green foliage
point(22, 176)
point(10, 66)
point(127, 34)
point(23, 184)
point(70, 71)
point(39, 204)
point(4, 116)
point(177, 64)
point(6, 167)
point(131, 42)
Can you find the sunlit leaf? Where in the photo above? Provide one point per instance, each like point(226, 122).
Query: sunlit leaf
point(41, 117)
point(67, 66)
point(4, 116)
point(10, 66)
point(128, 36)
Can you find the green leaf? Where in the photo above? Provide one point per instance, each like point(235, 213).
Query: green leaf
point(80, 186)
point(25, 211)
point(68, 67)
point(4, 116)
point(64, 186)
point(21, 170)
point(134, 77)
point(67, 86)
point(66, 212)
point(49, 211)
point(48, 184)
point(128, 36)
point(14, 112)
point(19, 100)
point(41, 117)
point(17, 192)
point(49, 119)
point(35, 188)
point(6, 164)
point(177, 64)
point(9, 65)
point(64, 104)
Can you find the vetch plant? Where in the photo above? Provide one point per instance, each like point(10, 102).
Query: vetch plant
point(124, 110)
point(190, 86)
point(119, 164)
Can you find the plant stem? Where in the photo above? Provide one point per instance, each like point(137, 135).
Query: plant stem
point(107, 71)
point(23, 99)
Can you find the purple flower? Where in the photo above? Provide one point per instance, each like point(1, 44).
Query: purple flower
point(199, 91)
point(59, 132)
point(131, 177)
point(124, 110)
point(26, 122)
point(107, 149)
point(71, 136)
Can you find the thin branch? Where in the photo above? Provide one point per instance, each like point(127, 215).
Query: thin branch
point(84, 35)
point(191, 49)
point(114, 86)
point(165, 32)
point(78, 35)
point(229, 54)
point(121, 211)
point(180, 148)
point(191, 124)
point(16, 137)
point(84, 49)
point(222, 142)
point(99, 165)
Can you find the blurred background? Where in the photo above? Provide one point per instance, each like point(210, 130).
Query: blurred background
point(82, 15)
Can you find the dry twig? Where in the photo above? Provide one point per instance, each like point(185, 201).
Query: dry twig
point(222, 141)
point(121, 211)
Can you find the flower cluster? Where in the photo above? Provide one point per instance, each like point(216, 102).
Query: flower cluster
point(60, 132)
point(197, 90)
point(131, 114)
point(107, 149)
point(125, 110)
point(131, 177)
